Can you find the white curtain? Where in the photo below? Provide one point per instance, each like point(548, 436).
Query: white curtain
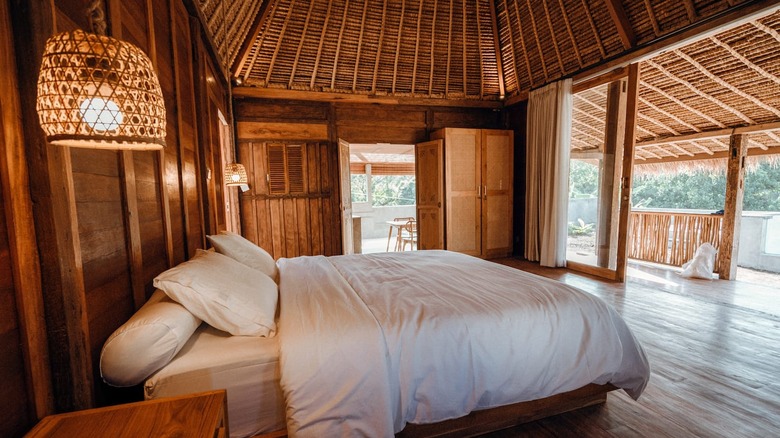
point(547, 173)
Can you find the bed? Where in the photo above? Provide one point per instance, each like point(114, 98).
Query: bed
point(368, 344)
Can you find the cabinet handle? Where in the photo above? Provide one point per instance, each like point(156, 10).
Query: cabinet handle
point(484, 196)
point(479, 191)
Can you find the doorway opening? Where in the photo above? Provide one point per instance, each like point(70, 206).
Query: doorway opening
point(383, 194)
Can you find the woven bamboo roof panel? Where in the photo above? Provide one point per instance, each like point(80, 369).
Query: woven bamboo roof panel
point(434, 48)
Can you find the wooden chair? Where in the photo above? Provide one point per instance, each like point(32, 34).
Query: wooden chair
point(398, 223)
point(409, 235)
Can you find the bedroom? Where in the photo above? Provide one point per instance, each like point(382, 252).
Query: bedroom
point(93, 228)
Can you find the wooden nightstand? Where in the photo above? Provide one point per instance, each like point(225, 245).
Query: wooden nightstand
point(194, 415)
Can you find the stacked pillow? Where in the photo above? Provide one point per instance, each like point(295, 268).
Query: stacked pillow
point(233, 289)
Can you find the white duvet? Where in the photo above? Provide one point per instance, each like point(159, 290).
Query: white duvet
point(372, 342)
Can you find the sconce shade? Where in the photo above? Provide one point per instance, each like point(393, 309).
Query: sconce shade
point(98, 92)
point(235, 175)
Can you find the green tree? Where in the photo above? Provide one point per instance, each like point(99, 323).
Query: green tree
point(583, 179)
point(393, 190)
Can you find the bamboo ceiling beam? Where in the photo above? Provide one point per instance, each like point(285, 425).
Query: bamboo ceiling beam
point(465, 56)
point(300, 45)
point(571, 34)
point(623, 26)
point(319, 48)
point(254, 31)
point(725, 84)
point(338, 46)
point(449, 54)
point(764, 127)
point(512, 43)
point(359, 47)
point(536, 37)
point(321, 96)
point(682, 104)
point(433, 46)
point(417, 45)
point(752, 152)
point(279, 42)
point(596, 36)
point(586, 134)
point(552, 35)
point(682, 149)
point(745, 61)
point(757, 144)
point(501, 93)
point(653, 19)
point(251, 40)
point(690, 9)
point(379, 44)
point(398, 45)
point(668, 114)
point(761, 26)
point(698, 92)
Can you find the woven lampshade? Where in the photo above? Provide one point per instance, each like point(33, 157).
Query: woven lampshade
point(98, 92)
point(235, 175)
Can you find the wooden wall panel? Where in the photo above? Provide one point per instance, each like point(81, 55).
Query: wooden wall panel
point(150, 216)
point(267, 221)
point(17, 416)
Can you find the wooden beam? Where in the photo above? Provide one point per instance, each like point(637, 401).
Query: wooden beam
point(632, 103)
point(715, 133)
point(319, 48)
point(619, 17)
point(20, 222)
point(732, 211)
point(254, 31)
point(275, 93)
point(606, 78)
point(752, 152)
point(132, 227)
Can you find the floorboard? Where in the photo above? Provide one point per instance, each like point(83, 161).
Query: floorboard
point(714, 350)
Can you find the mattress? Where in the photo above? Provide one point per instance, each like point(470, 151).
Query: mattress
point(246, 366)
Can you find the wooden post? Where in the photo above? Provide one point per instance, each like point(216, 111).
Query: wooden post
point(632, 99)
point(609, 186)
point(14, 179)
point(732, 211)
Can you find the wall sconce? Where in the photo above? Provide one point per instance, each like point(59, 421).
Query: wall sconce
point(235, 175)
point(98, 92)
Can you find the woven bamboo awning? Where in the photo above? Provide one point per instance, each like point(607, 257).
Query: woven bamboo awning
point(691, 98)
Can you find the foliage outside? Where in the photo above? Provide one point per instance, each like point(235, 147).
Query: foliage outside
point(386, 190)
point(703, 190)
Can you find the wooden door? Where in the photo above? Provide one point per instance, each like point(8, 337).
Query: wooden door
point(463, 186)
point(347, 238)
point(429, 175)
point(497, 182)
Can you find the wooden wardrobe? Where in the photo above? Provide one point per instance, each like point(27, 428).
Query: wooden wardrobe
point(464, 191)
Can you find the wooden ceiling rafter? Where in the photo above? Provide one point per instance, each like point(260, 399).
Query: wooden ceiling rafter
point(501, 89)
point(300, 45)
point(464, 54)
point(697, 91)
point(750, 64)
point(279, 42)
point(433, 44)
point(522, 46)
point(359, 47)
point(449, 54)
point(319, 48)
point(652, 18)
point(690, 10)
point(552, 36)
point(417, 47)
point(570, 33)
point(725, 84)
point(250, 42)
point(536, 38)
point(596, 36)
point(397, 46)
point(682, 104)
point(620, 20)
point(379, 45)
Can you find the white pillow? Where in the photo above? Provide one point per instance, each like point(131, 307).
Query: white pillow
point(224, 293)
point(147, 341)
point(244, 251)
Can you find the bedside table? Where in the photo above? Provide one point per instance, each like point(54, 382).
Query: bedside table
point(194, 415)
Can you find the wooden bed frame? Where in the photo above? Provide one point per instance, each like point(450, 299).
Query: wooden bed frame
point(502, 417)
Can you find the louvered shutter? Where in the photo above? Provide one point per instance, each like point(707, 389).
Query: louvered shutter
point(295, 176)
point(277, 178)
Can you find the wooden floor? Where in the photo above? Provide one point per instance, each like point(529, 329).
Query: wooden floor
point(714, 350)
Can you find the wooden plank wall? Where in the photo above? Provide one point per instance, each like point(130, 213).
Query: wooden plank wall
point(288, 226)
point(108, 222)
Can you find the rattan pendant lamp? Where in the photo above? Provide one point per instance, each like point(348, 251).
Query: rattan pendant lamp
point(98, 92)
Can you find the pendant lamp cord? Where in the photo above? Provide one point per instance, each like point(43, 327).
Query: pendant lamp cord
point(97, 17)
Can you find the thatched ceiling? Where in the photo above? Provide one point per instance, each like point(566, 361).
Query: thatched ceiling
point(492, 50)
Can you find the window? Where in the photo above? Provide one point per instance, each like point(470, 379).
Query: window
point(359, 187)
point(286, 170)
point(393, 190)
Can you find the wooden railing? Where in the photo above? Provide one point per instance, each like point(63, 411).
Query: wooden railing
point(671, 238)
